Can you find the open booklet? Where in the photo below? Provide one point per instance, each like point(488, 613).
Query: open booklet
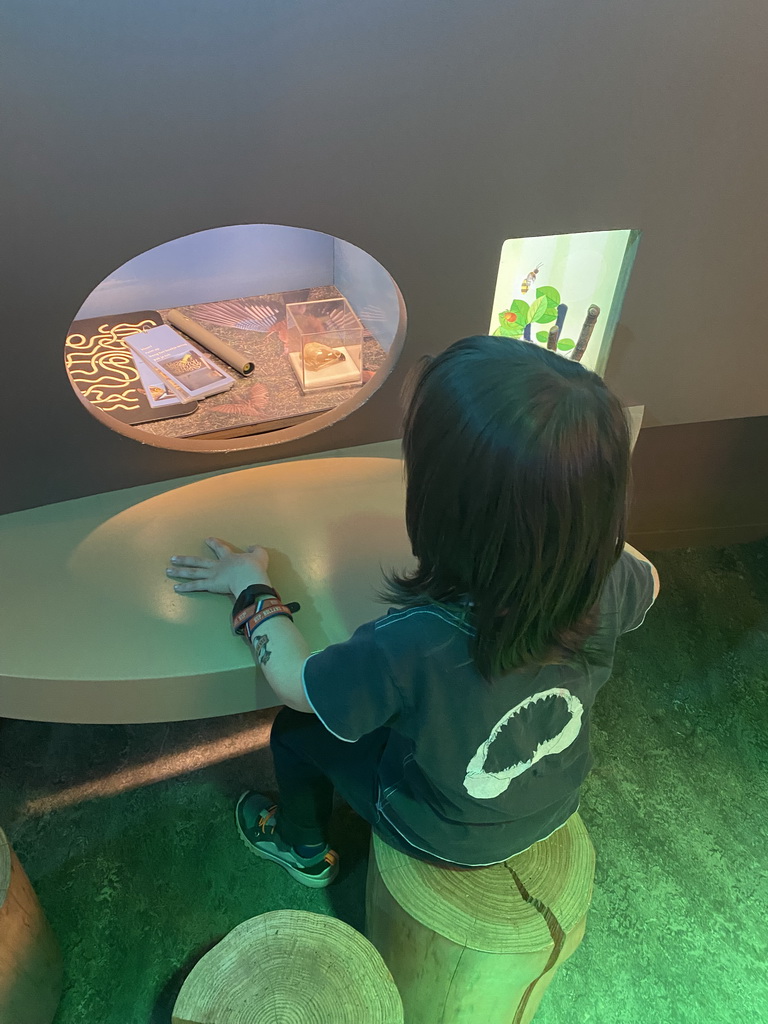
point(183, 369)
point(158, 393)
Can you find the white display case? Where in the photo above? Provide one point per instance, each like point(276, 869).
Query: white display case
point(325, 343)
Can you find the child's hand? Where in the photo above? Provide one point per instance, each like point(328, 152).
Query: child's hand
point(229, 572)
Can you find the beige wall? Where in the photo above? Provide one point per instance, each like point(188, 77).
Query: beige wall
point(426, 133)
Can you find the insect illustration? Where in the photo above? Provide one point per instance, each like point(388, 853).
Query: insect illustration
point(530, 278)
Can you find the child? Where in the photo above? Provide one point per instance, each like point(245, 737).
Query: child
point(457, 724)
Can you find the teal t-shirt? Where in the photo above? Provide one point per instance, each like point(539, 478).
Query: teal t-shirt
point(472, 772)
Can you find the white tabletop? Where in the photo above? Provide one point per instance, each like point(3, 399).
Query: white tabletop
point(92, 631)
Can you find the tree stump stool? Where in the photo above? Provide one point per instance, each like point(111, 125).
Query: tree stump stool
point(480, 945)
point(30, 960)
point(290, 967)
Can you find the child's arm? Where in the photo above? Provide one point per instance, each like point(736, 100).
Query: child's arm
point(654, 573)
point(277, 644)
point(281, 650)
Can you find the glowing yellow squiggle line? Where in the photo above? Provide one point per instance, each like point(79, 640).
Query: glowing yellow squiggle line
point(105, 361)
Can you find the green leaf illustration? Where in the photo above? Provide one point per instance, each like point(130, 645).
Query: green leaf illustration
point(552, 295)
point(565, 344)
point(520, 308)
point(548, 292)
point(542, 336)
point(537, 309)
point(548, 316)
point(497, 332)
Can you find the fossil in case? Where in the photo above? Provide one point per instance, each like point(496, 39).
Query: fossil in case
point(325, 343)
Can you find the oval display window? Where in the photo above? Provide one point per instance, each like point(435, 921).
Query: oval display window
point(235, 337)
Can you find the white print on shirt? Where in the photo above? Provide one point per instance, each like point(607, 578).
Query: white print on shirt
point(486, 785)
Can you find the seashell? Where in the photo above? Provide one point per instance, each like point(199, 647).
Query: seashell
point(317, 355)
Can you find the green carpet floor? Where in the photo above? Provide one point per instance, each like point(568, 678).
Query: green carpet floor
point(139, 877)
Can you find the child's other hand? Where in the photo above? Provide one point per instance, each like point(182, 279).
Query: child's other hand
point(230, 571)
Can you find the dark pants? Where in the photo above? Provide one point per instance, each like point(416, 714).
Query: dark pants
point(310, 763)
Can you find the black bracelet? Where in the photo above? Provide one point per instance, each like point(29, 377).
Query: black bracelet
point(249, 595)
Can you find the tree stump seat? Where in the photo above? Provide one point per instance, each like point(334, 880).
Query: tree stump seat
point(480, 945)
point(291, 967)
point(30, 960)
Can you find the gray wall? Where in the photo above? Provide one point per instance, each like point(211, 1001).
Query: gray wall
point(425, 133)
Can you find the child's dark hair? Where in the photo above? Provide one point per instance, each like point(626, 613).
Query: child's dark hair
point(517, 465)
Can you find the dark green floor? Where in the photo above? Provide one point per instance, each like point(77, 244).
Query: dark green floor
point(138, 883)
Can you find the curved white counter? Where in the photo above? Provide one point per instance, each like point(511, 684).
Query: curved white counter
point(92, 631)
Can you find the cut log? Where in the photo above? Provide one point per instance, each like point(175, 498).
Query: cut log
point(293, 967)
point(480, 945)
point(30, 960)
